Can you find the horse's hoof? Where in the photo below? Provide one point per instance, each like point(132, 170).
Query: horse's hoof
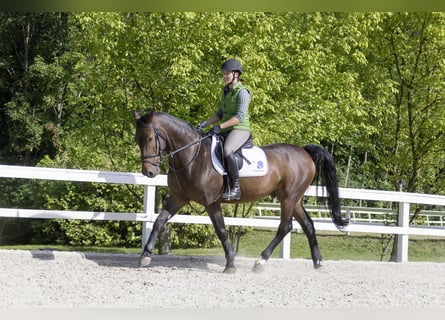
point(317, 264)
point(259, 266)
point(229, 270)
point(144, 262)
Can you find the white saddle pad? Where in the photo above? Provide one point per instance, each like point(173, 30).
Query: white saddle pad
point(256, 167)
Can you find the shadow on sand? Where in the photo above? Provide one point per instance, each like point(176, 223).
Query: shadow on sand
point(121, 260)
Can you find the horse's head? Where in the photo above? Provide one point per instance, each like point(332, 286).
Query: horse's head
point(150, 143)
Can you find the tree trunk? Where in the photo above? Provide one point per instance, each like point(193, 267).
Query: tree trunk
point(394, 248)
point(164, 244)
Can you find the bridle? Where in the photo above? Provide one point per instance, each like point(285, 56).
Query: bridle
point(158, 154)
point(144, 158)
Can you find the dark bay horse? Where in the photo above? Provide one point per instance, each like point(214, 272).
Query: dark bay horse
point(192, 178)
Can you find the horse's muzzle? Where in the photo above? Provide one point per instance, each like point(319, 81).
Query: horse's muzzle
point(151, 173)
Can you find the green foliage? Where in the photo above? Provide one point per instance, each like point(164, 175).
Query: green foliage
point(366, 85)
point(407, 72)
point(34, 71)
point(193, 236)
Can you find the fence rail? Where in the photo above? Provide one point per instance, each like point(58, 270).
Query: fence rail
point(360, 214)
point(148, 216)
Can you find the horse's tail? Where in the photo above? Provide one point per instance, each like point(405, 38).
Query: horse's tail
point(325, 169)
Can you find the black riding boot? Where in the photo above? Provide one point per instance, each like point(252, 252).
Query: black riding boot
point(234, 191)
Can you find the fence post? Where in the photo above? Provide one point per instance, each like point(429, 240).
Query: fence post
point(348, 217)
point(285, 247)
point(402, 239)
point(149, 210)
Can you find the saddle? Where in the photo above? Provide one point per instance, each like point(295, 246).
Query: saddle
point(251, 160)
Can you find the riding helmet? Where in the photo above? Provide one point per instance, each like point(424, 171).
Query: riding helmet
point(232, 65)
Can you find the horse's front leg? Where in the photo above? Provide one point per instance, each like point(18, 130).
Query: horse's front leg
point(149, 247)
point(215, 214)
point(166, 214)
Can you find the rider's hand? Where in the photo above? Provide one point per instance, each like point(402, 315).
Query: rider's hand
point(215, 130)
point(201, 126)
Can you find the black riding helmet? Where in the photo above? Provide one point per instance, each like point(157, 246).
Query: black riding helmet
point(232, 65)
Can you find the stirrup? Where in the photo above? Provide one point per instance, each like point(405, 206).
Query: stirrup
point(231, 194)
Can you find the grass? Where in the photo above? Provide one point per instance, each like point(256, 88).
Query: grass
point(339, 246)
point(333, 246)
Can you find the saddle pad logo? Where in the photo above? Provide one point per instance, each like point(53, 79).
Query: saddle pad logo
point(260, 164)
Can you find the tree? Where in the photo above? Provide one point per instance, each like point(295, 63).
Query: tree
point(408, 55)
point(32, 72)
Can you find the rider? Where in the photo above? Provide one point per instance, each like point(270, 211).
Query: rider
point(233, 112)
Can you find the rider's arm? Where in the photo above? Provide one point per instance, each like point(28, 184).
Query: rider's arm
point(213, 119)
point(242, 104)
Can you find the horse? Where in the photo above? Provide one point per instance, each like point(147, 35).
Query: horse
point(192, 177)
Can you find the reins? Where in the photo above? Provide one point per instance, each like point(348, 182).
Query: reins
point(172, 153)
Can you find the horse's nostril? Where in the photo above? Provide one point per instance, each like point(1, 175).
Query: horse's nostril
point(148, 173)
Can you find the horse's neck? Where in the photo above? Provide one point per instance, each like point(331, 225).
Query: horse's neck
point(178, 137)
point(177, 140)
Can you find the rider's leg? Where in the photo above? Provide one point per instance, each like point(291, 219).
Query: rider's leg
point(233, 192)
point(235, 139)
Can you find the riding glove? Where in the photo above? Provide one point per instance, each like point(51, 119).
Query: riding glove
point(201, 126)
point(215, 130)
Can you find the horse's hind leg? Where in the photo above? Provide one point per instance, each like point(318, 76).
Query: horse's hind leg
point(307, 225)
point(283, 229)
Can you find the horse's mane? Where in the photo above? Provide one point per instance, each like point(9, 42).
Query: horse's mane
point(176, 121)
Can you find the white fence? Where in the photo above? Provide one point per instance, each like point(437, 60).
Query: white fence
point(360, 214)
point(148, 216)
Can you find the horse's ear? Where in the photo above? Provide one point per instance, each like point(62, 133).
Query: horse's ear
point(151, 113)
point(136, 116)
